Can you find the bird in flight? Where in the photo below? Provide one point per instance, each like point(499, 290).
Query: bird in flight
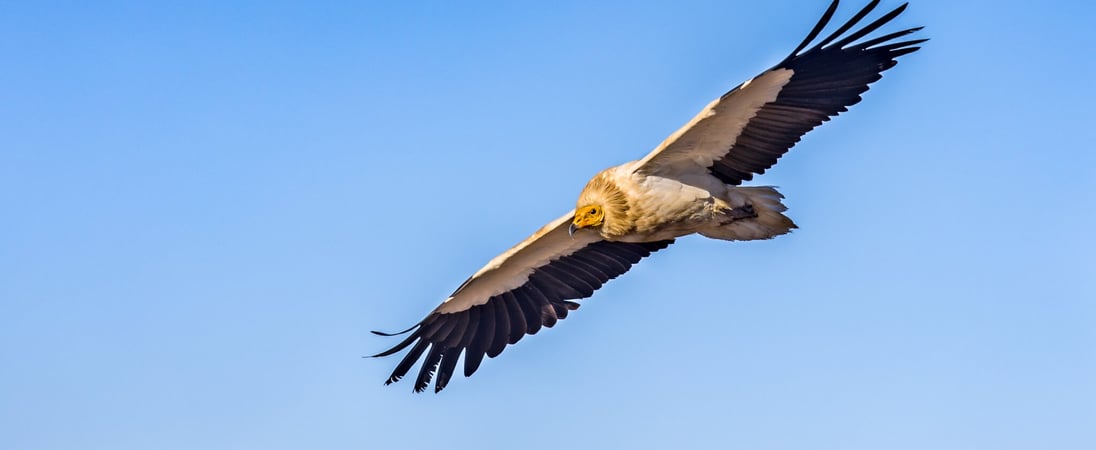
point(689, 184)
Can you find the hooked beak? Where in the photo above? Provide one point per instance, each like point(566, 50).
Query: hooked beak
point(571, 230)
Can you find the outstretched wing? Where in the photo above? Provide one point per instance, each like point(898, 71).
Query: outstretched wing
point(746, 130)
point(517, 293)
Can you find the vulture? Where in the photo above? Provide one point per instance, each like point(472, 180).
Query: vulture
point(690, 183)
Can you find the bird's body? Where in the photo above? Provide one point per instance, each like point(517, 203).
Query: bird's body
point(689, 184)
point(642, 207)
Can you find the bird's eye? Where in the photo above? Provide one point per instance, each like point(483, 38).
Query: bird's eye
point(593, 211)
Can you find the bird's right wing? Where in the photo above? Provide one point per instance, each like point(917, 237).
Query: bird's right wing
point(517, 293)
point(746, 130)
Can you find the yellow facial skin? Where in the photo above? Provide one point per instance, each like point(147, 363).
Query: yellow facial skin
point(589, 216)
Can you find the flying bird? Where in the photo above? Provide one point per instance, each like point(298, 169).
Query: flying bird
point(689, 184)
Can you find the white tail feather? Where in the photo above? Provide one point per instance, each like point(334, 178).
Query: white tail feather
point(768, 224)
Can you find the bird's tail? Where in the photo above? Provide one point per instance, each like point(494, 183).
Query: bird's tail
point(756, 213)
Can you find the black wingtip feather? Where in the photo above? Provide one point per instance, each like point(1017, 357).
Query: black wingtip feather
point(402, 345)
point(408, 360)
point(518, 326)
point(381, 333)
point(477, 346)
point(866, 45)
point(867, 9)
point(502, 329)
point(445, 370)
point(818, 27)
point(429, 365)
point(548, 315)
point(871, 27)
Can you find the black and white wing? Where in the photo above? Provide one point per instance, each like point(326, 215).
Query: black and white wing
point(522, 290)
point(746, 130)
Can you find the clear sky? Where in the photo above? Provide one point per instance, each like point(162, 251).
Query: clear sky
point(207, 206)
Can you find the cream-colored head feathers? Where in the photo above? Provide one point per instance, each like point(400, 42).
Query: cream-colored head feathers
point(603, 206)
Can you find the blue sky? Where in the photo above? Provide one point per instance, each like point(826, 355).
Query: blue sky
point(207, 206)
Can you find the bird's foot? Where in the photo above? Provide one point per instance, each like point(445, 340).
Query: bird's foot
point(742, 212)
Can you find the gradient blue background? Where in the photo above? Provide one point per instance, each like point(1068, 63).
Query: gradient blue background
point(206, 206)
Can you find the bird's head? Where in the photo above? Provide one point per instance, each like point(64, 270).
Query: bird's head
point(589, 216)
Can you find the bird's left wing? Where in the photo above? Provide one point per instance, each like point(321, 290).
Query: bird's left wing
point(746, 130)
point(517, 293)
